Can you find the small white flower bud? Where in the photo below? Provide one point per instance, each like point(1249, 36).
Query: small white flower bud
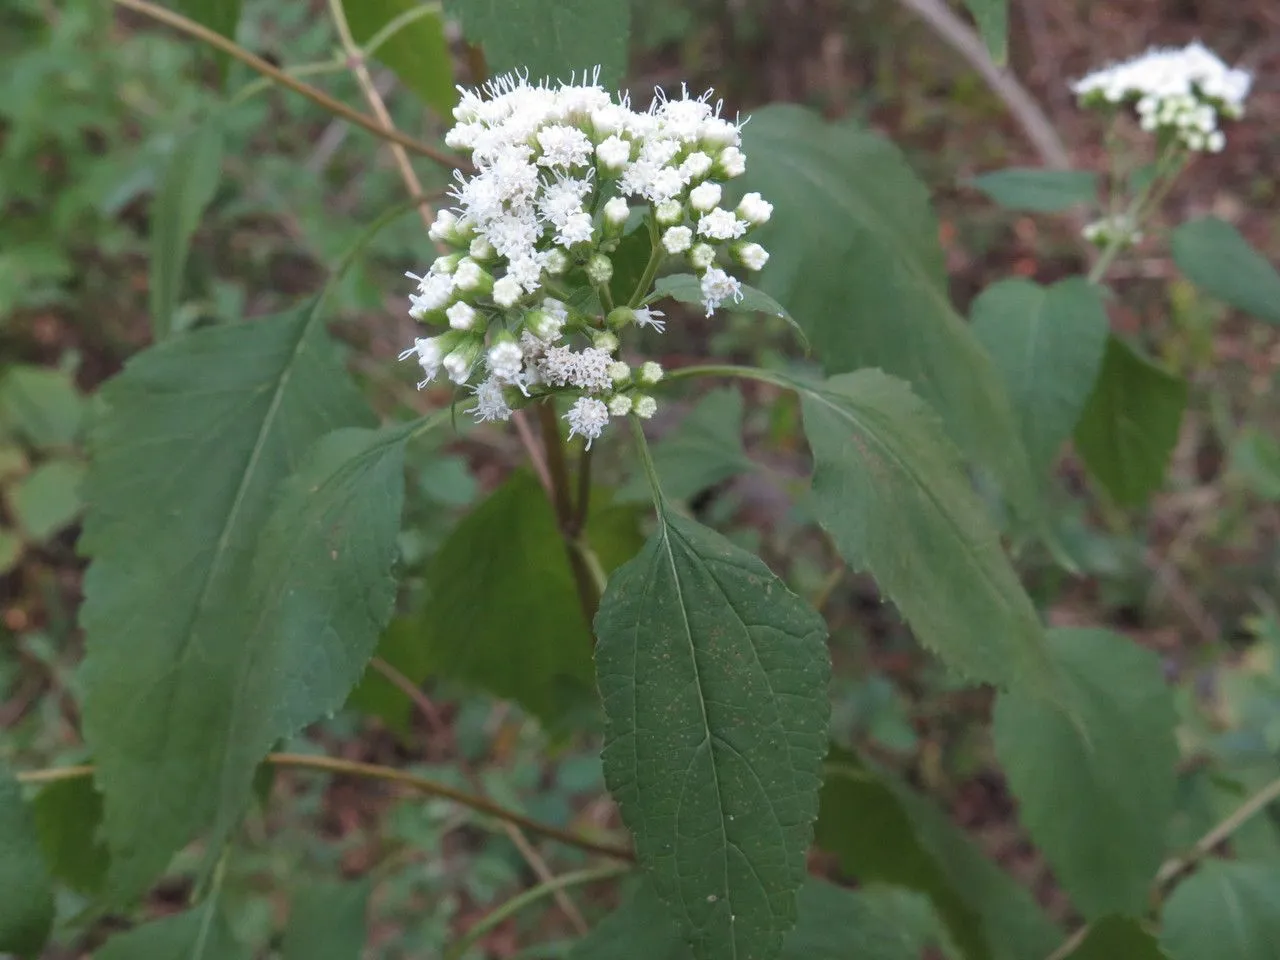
point(620, 405)
point(587, 418)
point(733, 162)
point(702, 255)
point(599, 269)
point(506, 292)
point(505, 359)
point(704, 196)
point(469, 277)
point(458, 363)
point(481, 249)
point(696, 166)
point(644, 406)
point(446, 265)
point(755, 209)
point(613, 153)
point(619, 372)
point(650, 373)
point(555, 261)
point(669, 212)
point(604, 340)
point(751, 255)
point(677, 239)
point(721, 225)
point(616, 211)
point(444, 226)
point(462, 316)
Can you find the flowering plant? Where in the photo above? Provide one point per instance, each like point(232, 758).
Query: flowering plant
point(249, 527)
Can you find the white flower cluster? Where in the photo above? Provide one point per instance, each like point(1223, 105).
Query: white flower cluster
point(561, 172)
point(1119, 229)
point(1179, 92)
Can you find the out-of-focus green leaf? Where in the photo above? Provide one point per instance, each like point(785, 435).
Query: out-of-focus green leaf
point(41, 405)
point(418, 52)
point(505, 564)
point(1115, 758)
point(1217, 259)
point(713, 678)
point(1047, 344)
point(1040, 191)
point(193, 935)
point(1224, 910)
point(857, 261)
point(1118, 938)
point(1130, 423)
point(26, 895)
point(549, 38)
point(882, 831)
point(222, 16)
point(188, 186)
point(47, 499)
point(68, 814)
point(327, 922)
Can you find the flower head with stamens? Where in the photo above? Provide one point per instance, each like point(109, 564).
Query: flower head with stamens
point(561, 173)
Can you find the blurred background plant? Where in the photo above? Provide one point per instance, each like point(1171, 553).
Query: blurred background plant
point(97, 102)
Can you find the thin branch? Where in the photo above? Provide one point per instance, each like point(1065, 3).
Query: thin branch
point(319, 97)
point(372, 771)
point(1175, 867)
point(356, 59)
point(532, 895)
point(1035, 125)
point(434, 788)
point(412, 691)
point(587, 577)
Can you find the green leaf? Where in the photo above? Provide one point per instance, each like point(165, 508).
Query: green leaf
point(197, 435)
point(1047, 344)
point(10, 550)
point(67, 815)
point(323, 590)
point(1255, 459)
point(417, 53)
point(891, 491)
point(856, 258)
point(1213, 256)
point(1118, 938)
point(642, 928)
point(188, 186)
point(1224, 910)
point(836, 924)
point(403, 646)
point(42, 405)
point(713, 678)
point(992, 17)
point(47, 499)
point(686, 288)
point(1114, 758)
point(196, 934)
point(327, 922)
point(505, 564)
point(1038, 190)
point(222, 16)
point(833, 924)
point(549, 38)
point(705, 449)
point(884, 832)
point(26, 894)
point(1130, 423)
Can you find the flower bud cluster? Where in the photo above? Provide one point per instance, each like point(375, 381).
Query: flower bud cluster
point(1178, 93)
point(561, 172)
point(1119, 230)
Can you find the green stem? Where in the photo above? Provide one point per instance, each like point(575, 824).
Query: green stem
point(729, 370)
point(588, 582)
point(398, 23)
point(1139, 207)
point(656, 256)
point(526, 899)
point(318, 97)
point(646, 458)
point(255, 87)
